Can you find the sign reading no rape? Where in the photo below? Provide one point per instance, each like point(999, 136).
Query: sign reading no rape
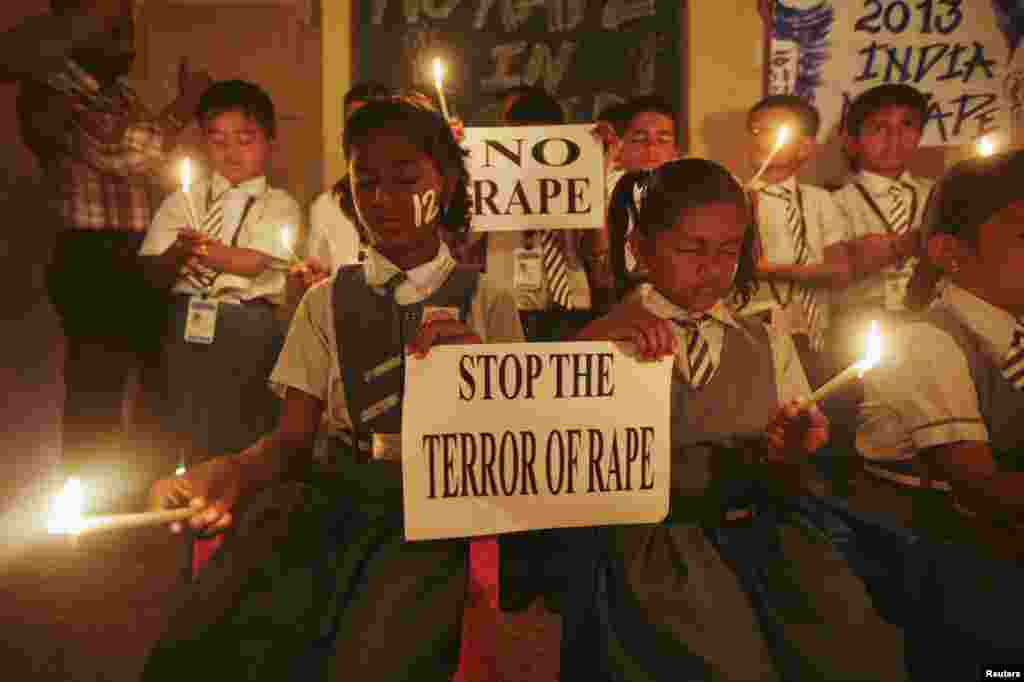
point(509, 437)
point(535, 178)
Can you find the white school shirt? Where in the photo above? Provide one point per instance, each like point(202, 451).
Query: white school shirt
point(922, 394)
point(272, 210)
point(309, 360)
point(501, 248)
point(333, 239)
point(790, 379)
point(824, 225)
point(860, 219)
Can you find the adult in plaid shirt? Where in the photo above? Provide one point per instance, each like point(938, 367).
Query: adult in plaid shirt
point(97, 147)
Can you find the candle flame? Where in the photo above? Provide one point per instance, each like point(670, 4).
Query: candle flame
point(781, 137)
point(986, 146)
point(438, 72)
point(180, 470)
point(67, 512)
point(186, 174)
point(874, 350)
point(286, 237)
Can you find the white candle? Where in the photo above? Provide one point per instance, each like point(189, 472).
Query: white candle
point(851, 373)
point(186, 189)
point(439, 84)
point(67, 516)
point(92, 524)
point(780, 140)
point(286, 241)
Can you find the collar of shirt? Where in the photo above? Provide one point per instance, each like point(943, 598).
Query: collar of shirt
point(993, 325)
point(423, 280)
point(789, 184)
point(658, 304)
point(879, 186)
point(254, 187)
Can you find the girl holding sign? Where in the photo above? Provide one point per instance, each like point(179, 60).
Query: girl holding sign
point(319, 582)
point(723, 588)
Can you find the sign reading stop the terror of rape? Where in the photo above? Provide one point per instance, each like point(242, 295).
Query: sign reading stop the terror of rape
point(535, 178)
point(510, 437)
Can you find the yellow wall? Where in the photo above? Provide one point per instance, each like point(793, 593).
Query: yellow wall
point(336, 31)
point(724, 47)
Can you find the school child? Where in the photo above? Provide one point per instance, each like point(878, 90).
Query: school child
point(882, 205)
point(725, 588)
point(795, 224)
point(222, 337)
point(609, 127)
point(543, 267)
point(333, 239)
point(942, 435)
point(319, 583)
point(649, 141)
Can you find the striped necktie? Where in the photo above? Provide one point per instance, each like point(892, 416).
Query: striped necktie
point(794, 222)
point(556, 268)
point(395, 281)
point(806, 297)
point(212, 225)
point(899, 213)
point(698, 352)
point(1013, 369)
point(213, 221)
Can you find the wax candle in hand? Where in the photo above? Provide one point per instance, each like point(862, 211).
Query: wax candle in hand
point(855, 371)
point(186, 189)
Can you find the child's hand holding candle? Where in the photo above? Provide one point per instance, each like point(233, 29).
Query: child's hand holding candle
point(67, 516)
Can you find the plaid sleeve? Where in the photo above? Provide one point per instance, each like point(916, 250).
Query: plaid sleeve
point(121, 147)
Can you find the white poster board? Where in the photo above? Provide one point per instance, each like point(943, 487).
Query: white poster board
point(500, 438)
point(535, 178)
point(962, 53)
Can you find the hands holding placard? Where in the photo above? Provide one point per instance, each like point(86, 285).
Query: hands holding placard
point(798, 429)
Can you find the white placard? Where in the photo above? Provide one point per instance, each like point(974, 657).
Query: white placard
point(535, 178)
point(500, 438)
point(963, 54)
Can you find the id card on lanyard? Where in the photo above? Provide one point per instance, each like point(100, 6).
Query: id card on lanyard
point(201, 319)
point(528, 264)
point(894, 279)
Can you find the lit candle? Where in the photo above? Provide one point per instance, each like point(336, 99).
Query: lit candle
point(986, 146)
point(439, 84)
point(780, 140)
point(286, 241)
point(186, 187)
point(67, 516)
point(851, 373)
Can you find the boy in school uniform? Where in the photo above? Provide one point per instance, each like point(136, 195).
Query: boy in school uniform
point(795, 224)
point(543, 267)
point(882, 206)
point(609, 128)
point(649, 140)
point(226, 276)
